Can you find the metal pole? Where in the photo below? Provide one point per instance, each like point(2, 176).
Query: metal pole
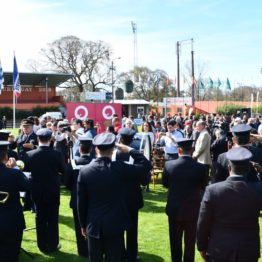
point(46, 90)
point(113, 95)
point(178, 69)
point(193, 74)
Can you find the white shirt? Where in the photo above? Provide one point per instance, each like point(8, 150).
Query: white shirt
point(170, 146)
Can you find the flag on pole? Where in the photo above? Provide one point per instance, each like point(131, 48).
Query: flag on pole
point(175, 80)
point(156, 78)
point(228, 86)
point(218, 83)
point(211, 83)
point(1, 78)
point(16, 80)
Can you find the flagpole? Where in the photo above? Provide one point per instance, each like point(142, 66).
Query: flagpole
point(13, 111)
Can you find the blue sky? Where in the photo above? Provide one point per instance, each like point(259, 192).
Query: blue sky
point(227, 34)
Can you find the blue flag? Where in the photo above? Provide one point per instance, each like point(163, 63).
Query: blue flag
point(16, 80)
point(1, 78)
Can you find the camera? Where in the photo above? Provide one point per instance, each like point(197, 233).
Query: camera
point(66, 129)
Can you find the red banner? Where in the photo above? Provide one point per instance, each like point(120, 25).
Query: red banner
point(101, 113)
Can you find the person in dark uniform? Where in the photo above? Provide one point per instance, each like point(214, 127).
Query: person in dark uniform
point(85, 147)
point(12, 221)
point(101, 207)
point(184, 178)
point(4, 136)
point(27, 140)
point(45, 165)
point(133, 195)
point(228, 226)
point(241, 137)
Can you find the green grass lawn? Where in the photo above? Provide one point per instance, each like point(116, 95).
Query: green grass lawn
point(153, 231)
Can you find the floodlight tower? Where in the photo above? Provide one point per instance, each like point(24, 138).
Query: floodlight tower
point(134, 29)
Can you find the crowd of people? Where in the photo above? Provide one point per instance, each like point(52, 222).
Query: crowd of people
point(213, 168)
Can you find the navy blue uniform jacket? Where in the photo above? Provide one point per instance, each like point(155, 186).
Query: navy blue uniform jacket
point(184, 178)
point(101, 204)
point(228, 227)
point(11, 213)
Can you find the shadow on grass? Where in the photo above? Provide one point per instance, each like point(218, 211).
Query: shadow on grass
point(56, 256)
point(67, 220)
point(150, 257)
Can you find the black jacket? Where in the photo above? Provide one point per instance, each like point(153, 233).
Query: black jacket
point(228, 227)
point(184, 178)
point(24, 139)
point(101, 205)
point(45, 165)
point(71, 178)
point(133, 192)
point(11, 213)
point(218, 147)
point(222, 172)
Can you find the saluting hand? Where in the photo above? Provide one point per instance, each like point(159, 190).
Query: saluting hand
point(123, 148)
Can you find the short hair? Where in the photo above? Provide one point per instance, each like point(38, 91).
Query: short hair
point(171, 123)
point(85, 148)
point(240, 167)
point(242, 140)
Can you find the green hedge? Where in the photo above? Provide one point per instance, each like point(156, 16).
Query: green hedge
point(20, 114)
point(229, 109)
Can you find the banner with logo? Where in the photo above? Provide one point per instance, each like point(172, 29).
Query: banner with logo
point(101, 113)
point(177, 101)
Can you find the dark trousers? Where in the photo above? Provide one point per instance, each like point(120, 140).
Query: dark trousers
point(110, 247)
point(47, 227)
point(131, 238)
point(176, 231)
point(82, 246)
point(10, 245)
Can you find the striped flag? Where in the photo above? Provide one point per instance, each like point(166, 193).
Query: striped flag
point(16, 80)
point(228, 86)
point(1, 78)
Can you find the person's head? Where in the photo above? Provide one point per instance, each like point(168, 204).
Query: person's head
point(157, 124)
point(146, 127)
point(110, 129)
point(89, 123)
point(239, 158)
point(126, 135)
point(241, 134)
point(188, 129)
point(171, 125)
point(219, 133)
point(44, 136)
point(185, 146)
point(129, 123)
point(115, 121)
point(104, 144)
point(27, 126)
point(49, 125)
point(85, 145)
point(43, 122)
point(200, 125)
point(77, 124)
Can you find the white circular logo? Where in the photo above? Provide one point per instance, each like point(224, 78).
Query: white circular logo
point(106, 115)
point(81, 115)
